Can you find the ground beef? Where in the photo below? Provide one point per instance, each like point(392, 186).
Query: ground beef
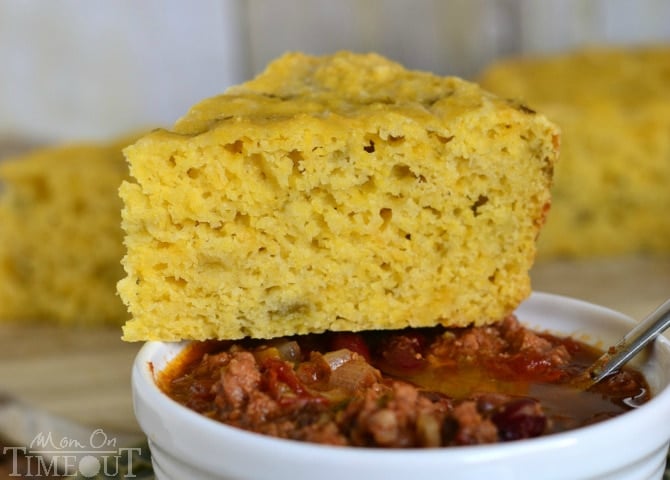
point(393, 414)
point(472, 427)
point(240, 378)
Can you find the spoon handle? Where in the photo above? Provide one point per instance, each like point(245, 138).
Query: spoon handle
point(634, 341)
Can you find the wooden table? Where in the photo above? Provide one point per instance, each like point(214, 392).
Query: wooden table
point(83, 374)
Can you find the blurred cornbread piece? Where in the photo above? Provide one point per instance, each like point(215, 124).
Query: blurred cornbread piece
point(334, 193)
point(61, 242)
point(612, 186)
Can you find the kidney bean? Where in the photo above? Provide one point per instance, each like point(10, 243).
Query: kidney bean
point(520, 418)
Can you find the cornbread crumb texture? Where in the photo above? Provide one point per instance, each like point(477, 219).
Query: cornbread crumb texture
point(61, 241)
point(334, 193)
point(611, 194)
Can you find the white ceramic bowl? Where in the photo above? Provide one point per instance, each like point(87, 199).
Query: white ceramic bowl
point(186, 445)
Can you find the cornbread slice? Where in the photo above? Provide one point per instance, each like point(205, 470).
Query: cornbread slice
point(61, 242)
point(611, 194)
point(334, 193)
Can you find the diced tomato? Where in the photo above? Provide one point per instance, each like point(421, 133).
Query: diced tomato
point(277, 372)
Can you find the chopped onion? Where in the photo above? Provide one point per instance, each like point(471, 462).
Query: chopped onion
point(289, 351)
point(338, 358)
point(354, 374)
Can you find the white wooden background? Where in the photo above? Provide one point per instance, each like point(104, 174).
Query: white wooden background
point(93, 68)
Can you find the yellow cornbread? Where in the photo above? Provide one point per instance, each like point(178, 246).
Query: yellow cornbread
point(334, 193)
point(60, 235)
point(612, 186)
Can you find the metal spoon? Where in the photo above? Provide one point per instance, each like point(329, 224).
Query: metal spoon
point(616, 356)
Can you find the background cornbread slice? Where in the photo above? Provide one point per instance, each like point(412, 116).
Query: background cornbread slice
point(61, 242)
point(334, 193)
point(612, 186)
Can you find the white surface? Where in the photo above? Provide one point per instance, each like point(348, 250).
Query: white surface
point(91, 69)
point(630, 447)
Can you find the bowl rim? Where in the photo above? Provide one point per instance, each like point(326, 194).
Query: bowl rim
point(143, 383)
